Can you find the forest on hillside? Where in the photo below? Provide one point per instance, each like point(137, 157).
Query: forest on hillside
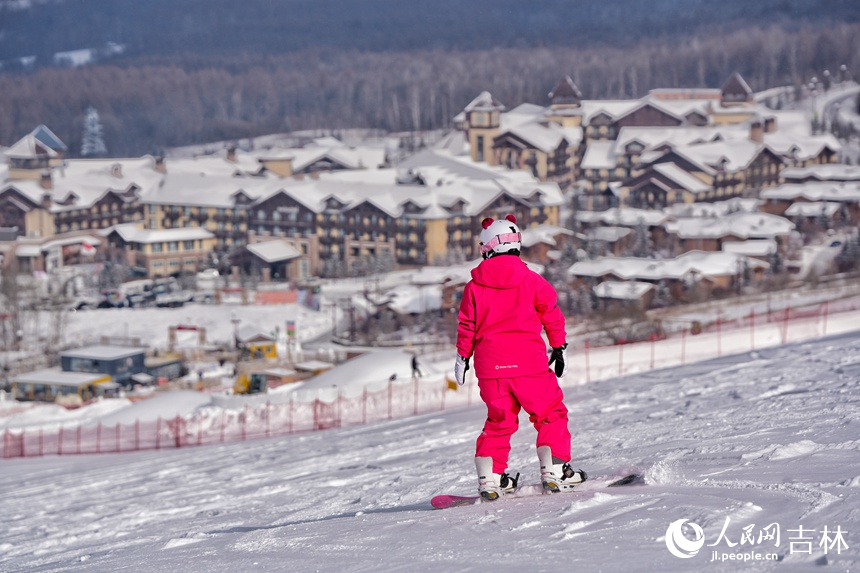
point(168, 94)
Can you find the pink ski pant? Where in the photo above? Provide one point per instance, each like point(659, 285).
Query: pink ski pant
point(541, 397)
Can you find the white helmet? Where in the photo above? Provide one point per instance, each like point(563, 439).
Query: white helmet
point(500, 237)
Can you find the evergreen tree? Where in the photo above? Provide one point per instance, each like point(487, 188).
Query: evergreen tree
point(643, 246)
point(93, 144)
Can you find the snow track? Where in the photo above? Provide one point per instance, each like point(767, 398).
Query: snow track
point(759, 438)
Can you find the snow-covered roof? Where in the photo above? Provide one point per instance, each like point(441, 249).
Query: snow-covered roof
point(545, 138)
point(622, 290)
point(801, 147)
point(753, 248)
point(484, 102)
point(250, 332)
point(707, 264)
point(131, 233)
point(103, 352)
point(742, 225)
point(599, 155)
point(827, 172)
point(623, 217)
point(274, 250)
point(715, 209)
point(543, 234)
point(57, 377)
point(812, 209)
point(683, 178)
point(29, 147)
point(608, 234)
point(815, 191)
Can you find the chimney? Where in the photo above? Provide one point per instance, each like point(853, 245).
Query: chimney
point(160, 166)
point(46, 181)
point(231, 154)
point(770, 125)
point(756, 132)
point(47, 201)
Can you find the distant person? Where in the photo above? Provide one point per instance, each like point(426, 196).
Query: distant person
point(416, 371)
point(504, 308)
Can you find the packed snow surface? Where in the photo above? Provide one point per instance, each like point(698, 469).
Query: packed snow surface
point(744, 447)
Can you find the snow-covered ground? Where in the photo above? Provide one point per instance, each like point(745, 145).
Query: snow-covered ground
point(744, 447)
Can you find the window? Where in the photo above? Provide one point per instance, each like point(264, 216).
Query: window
point(188, 245)
point(157, 247)
point(173, 246)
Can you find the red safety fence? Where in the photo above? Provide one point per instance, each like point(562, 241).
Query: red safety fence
point(396, 400)
point(399, 398)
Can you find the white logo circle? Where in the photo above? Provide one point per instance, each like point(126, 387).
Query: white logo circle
point(678, 543)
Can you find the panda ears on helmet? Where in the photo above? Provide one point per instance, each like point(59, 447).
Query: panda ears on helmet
point(489, 221)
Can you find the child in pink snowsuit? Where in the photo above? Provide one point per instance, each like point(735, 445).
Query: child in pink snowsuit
point(504, 308)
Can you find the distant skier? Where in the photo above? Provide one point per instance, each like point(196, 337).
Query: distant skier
point(416, 370)
point(503, 310)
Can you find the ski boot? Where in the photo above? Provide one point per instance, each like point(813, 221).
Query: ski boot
point(557, 477)
point(492, 486)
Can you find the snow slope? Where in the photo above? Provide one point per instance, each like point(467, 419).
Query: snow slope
point(762, 438)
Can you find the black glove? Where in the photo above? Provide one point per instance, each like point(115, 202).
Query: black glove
point(559, 356)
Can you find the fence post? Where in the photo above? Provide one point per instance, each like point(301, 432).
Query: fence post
point(785, 325)
point(118, 430)
point(364, 406)
point(653, 342)
point(99, 437)
point(268, 425)
point(683, 345)
point(178, 433)
point(415, 388)
point(158, 434)
point(79, 439)
point(137, 434)
point(41, 444)
point(719, 337)
point(825, 311)
point(752, 329)
point(24, 441)
point(244, 424)
point(292, 401)
point(223, 424)
point(620, 358)
point(587, 364)
point(390, 396)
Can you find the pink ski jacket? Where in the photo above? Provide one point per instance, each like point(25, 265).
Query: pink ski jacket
point(504, 307)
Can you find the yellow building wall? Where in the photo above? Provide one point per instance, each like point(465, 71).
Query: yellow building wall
point(436, 238)
point(28, 174)
point(488, 134)
point(551, 215)
point(39, 222)
point(733, 118)
point(566, 120)
point(280, 167)
point(267, 349)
